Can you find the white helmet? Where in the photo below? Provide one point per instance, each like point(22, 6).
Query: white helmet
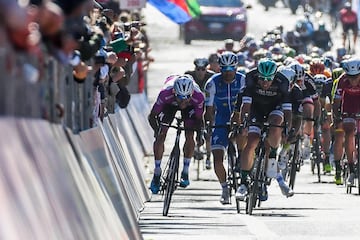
point(320, 79)
point(351, 66)
point(287, 72)
point(184, 86)
point(299, 70)
point(228, 59)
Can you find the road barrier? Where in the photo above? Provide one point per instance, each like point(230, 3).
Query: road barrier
point(58, 185)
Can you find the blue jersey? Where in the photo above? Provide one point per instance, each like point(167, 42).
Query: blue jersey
point(222, 96)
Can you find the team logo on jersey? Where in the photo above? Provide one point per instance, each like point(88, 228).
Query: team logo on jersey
point(266, 92)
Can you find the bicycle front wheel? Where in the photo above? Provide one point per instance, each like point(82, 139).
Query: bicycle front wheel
point(233, 176)
point(170, 180)
point(294, 164)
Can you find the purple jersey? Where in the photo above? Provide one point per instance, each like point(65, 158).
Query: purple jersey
point(167, 97)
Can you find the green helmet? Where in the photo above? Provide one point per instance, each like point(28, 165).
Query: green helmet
point(267, 69)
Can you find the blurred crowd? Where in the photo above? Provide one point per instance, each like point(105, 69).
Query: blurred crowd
point(98, 41)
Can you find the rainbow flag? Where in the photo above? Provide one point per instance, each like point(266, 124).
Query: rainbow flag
point(179, 11)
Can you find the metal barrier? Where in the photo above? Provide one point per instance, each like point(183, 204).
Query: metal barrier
point(49, 190)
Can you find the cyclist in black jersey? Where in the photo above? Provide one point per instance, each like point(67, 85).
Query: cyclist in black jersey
point(200, 74)
point(311, 104)
point(296, 98)
point(324, 87)
point(265, 98)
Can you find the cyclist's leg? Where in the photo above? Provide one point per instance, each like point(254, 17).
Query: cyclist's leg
point(355, 34)
point(190, 122)
point(344, 34)
point(308, 114)
point(158, 147)
point(349, 128)
point(338, 151)
point(219, 142)
point(247, 161)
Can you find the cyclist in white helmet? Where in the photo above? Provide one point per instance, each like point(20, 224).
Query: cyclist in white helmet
point(221, 90)
point(345, 107)
point(311, 104)
point(179, 93)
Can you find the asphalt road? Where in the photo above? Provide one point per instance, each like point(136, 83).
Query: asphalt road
point(316, 211)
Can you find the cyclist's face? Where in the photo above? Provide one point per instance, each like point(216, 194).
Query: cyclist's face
point(200, 72)
point(265, 84)
point(183, 102)
point(228, 76)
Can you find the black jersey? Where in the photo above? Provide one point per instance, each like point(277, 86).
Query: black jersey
point(200, 82)
point(309, 87)
point(296, 97)
point(326, 89)
point(278, 93)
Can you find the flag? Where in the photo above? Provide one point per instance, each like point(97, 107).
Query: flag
point(194, 8)
point(179, 11)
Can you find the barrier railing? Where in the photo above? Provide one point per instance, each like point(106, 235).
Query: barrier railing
point(61, 185)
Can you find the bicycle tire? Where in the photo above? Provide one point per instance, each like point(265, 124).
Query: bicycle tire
point(232, 174)
point(254, 185)
point(294, 164)
point(317, 151)
point(170, 180)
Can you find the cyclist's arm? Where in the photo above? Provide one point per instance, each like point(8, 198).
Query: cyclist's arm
point(337, 101)
point(153, 121)
point(210, 91)
point(235, 117)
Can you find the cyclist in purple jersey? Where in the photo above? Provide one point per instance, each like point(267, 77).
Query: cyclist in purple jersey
point(179, 93)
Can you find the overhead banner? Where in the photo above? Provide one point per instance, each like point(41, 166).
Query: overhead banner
point(131, 4)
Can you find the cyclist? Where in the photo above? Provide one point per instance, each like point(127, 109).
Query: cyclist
point(323, 87)
point(201, 75)
point(221, 91)
point(321, 37)
point(349, 21)
point(296, 96)
point(265, 98)
point(346, 101)
point(311, 104)
point(214, 63)
point(179, 93)
point(317, 66)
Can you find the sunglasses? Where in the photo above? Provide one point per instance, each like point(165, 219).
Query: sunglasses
point(200, 69)
point(228, 68)
point(269, 79)
point(183, 97)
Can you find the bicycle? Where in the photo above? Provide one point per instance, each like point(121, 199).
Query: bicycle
point(170, 177)
point(294, 163)
point(233, 172)
point(316, 152)
point(357, 157)
point(258, 176)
